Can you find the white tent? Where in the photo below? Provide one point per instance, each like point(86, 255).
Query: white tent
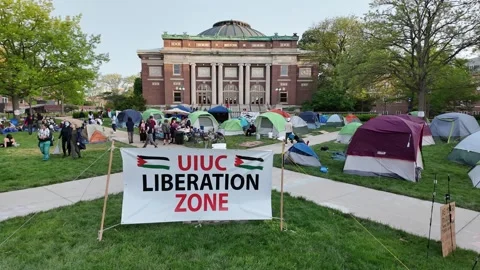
point(299, 125)
point(203, 119)
point(335, 121)
point(467, 151)
point(474, 175)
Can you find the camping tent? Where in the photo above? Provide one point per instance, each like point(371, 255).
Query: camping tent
point(95, 134)
point(346, 133)
point(157, 114)
point(299, 126)
point(270, 122)
point(427, 138)
point(282, 113)
point(243, 121)
point(311, 119)
point(232, 127)
point(350, 118)
point(203, 119)
point(125, 114)
point(335, 121)
point(220, 113)
point(453, 126)
point(323, 119)
point(467, 151)
point(386, 146)
point(474, 175)
point(183, 108)
point(302, 154)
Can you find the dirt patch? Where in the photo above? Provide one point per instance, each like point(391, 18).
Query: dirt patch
point(251, 144)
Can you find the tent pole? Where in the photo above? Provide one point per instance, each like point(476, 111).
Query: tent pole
point(281, 186)
point(100, 233)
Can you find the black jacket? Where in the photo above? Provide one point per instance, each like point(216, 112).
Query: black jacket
point(130, 126)
point(66, 133)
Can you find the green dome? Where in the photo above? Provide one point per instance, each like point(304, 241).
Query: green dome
point(231, 28)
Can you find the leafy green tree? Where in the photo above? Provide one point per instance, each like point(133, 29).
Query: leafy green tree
point(419, 37)
point(137, 87)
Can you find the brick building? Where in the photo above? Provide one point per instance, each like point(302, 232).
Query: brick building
point(230, 63)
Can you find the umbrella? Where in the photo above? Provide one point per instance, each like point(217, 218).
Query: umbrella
point(176, 111)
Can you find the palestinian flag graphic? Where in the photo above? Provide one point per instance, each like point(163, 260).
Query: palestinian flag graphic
point(153, 162)
point(253, 162)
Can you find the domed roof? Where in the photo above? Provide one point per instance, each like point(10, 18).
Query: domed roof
point(231, 28)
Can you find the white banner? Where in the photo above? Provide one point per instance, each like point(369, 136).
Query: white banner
point(168, 185)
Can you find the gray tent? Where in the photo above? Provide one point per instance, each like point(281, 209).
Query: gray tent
point(467, 151)
point(302, 154)
point(474, 175)
point(299, 125)
point(453, 126)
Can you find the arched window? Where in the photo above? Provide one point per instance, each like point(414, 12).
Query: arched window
point(257, 94)
point(230, 94)
point(204, 94)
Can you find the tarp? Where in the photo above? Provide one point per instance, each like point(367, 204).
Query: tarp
point(282, 113)
point(95, 134)
point(157, 114)
point(299, 126)
point(474, 175)
point(270, 122)
point(176, 111)
point(232, 127)
point(467, 151)
point(220, 113)
point(243, 121)
point(202, 118)
point(218, 109)
point(123, 117)
point(302, 154)
point(453, 126)
point(335, 121)
point(183, 108)
point(427, 138)
point(346, 133)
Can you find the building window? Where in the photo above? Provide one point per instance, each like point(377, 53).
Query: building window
point(177, 97)
point(177, 69)
point(230, 94)
point(204, 94)
point(283, 70)
point(305, 72)
point(4, 100)
point(155, 83)
point(155, 71)
point(257, 94)
point(283, 97)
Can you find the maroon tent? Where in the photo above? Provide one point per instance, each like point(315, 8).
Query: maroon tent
point(427, 138)
point(387, 146)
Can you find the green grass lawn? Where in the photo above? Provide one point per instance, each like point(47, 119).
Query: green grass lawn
point(323, 128)
point(23, 167)
point(317, 238)
point(435, 159)
point(233, 142)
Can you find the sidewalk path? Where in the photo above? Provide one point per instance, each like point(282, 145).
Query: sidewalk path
point(401, 212)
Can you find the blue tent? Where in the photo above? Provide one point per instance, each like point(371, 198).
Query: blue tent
point(124, 115)
point(14, 121)
point(323, 119)
point(183, 108)
point(302, 154)
point(311, 119)
point(218, 109)
point(243, 121)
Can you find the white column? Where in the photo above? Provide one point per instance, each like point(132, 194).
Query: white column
point(247, 84)
point(220, 83)
point(214, 83)
point(193, 85)
point(267, 84)
point(240, 84)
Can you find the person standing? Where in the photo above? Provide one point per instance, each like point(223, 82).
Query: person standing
point(142, 128)
point(166, 132)
point(114, 123)
point(149, 137)
point(65, 135)
point(29, 123)
point(44, 141)
point(152, 123)
point(288, 131)
point(74, 145)
point(130, 127)
point(39, 120)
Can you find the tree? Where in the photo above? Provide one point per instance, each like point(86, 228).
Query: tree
point(137, 87)
point(419, 37)
point(42, 53)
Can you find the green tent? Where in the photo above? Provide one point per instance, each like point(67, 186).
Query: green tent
point(346, 133)
point(232, 127)
point(270, 122)
point(203, 119)
point(157, 114)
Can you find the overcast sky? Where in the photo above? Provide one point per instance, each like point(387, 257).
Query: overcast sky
point(129, 25)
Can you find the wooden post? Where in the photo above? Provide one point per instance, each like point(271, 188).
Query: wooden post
point(100, 233)
point(281, 187)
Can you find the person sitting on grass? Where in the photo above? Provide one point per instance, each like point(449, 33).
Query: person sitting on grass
point(8, 141)
point(251, 130)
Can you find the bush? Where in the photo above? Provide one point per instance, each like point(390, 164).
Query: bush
point(366, 117)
